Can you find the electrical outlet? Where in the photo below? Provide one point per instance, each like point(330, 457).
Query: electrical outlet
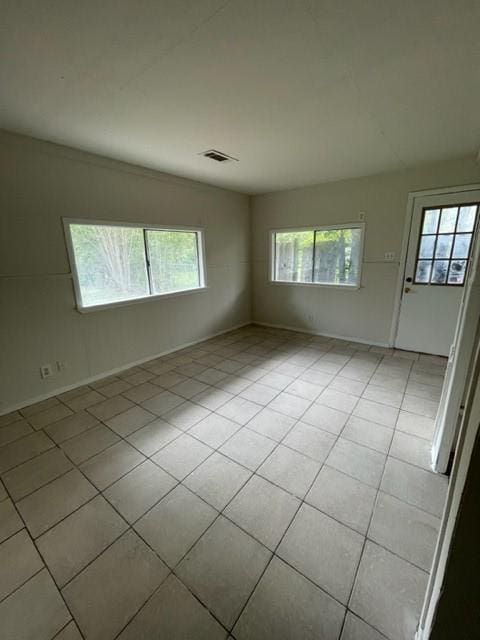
point(389, 255)
point(61, 365)
point(361, 216)
point(46, 370)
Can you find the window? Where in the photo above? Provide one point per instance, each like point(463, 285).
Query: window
point(114, 263)
point(322, 256)
point(444, 245)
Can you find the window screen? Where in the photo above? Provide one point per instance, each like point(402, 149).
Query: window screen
point(444, 245)
point(330, 256)
point(114, 263)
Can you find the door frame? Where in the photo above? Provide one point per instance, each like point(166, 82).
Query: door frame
point(412, 196)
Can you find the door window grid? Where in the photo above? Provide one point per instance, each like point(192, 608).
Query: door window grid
point(444, 245)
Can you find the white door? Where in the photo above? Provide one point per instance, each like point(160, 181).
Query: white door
point(439, 249)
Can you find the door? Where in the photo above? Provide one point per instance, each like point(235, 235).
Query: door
point(438, 254)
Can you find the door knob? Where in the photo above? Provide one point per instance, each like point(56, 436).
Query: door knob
point(407, 289)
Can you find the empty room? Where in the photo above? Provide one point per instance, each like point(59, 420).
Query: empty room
point(239, 320)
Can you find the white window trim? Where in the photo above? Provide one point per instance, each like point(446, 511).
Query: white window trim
point(326, 285)
point(200, 231)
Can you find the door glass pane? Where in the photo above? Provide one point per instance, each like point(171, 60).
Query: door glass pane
point(427, 246)
point(294, 256)
point(439, 274)
point(448, 219)
point(337, 256)
point(444, 246)
point(457, 272)
point(110, 263)
point(173, 260)
point(423, 271)
point(466, 218)
point(430, 221)
point(462, 245)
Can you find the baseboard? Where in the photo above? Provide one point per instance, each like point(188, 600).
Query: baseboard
point(321, 333)
point(110, 372)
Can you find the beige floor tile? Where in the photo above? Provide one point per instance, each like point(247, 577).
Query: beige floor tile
point(214, 430)
point(388, 593)
point(35, 611)
point(130, 420)
point(114, 388)
point(111, 407)
point(74, 542)
point(411, 449)
point(212, 398)
point(44, 418)
point(343, 498)
point(112, 589)
point(182, 456)
point(248, 448)
point(109, 465)
point(9, 418)
point(420, 406)
point(186, 415)
point(141, 392)
point(263, 510)
point(13, 431)
point(10, 521)
point(19, 561)
point(35, 473)
point(69, 632)
point(149, 439)
point(260, 394)
point(383, 396)
point(326, 418)
point(85, 400)
point(416, 425)
point(89, 443)
point(53, 502)
point(323, 550)
point(337, 400)
point(139, 490)
point(239, 410)
point(285, 605)
point(290, 405)
point(174, 525)
point(310, 441)
point(356, 629)
point(372, 435)
point(423, 489)
point(290, 470)
point(43, 405)
point(188, 388)
point(223, 568)
point(376, 412)
point(271, 424)
point(172, 613)
point(217, 480)
point(24, 449)
point(404, 529)
point(71, 426)
point(357, 461)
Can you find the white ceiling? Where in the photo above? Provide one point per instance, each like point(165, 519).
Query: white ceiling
point(300, 91)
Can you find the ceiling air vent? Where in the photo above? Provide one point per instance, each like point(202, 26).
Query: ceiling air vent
point(218, 156)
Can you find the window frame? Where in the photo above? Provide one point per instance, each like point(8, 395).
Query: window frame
point(453, 233)
point(202, 272)
point(330, 227)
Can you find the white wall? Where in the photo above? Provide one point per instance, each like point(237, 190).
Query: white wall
point(365, 314)
point(40, 183)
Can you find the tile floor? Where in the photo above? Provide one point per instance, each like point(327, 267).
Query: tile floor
point(262, 484)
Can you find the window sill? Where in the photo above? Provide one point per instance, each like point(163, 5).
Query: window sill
point(125, 303)
point(321, 285)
